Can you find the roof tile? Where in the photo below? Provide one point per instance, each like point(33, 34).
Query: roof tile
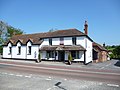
point(35, 38)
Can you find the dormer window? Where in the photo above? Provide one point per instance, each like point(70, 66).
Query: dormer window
point(19, 50)
point(74, 40)
point(50, 41)
point(61, 41)
point(29, 50)
point(10, 50)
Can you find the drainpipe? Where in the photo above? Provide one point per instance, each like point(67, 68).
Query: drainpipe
point(85, 58)
point(26, 52)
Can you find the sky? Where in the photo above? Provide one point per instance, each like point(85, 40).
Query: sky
point(36, 16)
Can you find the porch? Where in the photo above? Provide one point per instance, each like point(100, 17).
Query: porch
point(61, 52)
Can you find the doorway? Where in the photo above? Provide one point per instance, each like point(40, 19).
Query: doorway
point(61, 55)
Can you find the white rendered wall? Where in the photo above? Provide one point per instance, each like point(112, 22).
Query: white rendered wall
point(89, 51)
point(6, 51)
point(68, 41)
point(15, 54)
point(55, 41)
point(81, 41)
point(34, 52)
point(45, 42)
point(87, 44)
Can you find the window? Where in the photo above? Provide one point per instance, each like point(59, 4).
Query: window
point(61, 41)
point(50, 41)
point(19, 50)
point(75, 54)
point(10, 50)
point(29, 50)
point(50, 54)
point(74, 40)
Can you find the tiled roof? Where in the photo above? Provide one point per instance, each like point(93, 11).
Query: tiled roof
point(36, 38)
point(68, 32)
point(99, 46)
point(62, 47)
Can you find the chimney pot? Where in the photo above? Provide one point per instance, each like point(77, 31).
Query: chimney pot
point(103, 44)
point(86, 28)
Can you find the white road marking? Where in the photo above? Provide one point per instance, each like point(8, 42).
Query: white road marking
point(28, 76)
point(113, 85)
point(100, 83)
point(49, 88)
point(48, 79)
point(19, 75)
point(4, 73)
point(62, 69)
point(65, 79)
point(10, 74)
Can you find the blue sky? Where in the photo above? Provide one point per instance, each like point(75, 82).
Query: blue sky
point(34, 16)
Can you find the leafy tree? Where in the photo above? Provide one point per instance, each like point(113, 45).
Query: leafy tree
point(116, 52)
point(3, 32)
point(13, 31)
point(1, 49)
point(6, 32)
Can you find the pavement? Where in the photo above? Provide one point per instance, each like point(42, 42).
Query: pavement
point(107, 65)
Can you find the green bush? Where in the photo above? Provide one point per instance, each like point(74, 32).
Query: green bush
point(1, 49)
point(39, 57)
point(70, 57)
point(111, 56)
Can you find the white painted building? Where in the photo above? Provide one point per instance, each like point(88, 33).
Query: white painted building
point(56, 45)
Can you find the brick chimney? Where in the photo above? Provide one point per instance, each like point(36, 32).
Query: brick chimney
point(86, 28)
point(104, 45)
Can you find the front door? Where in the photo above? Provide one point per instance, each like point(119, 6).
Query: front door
point(61, 55)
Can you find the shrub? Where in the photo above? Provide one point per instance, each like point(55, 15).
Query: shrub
point(70, 57)
point(39, 57)
point(1, 49)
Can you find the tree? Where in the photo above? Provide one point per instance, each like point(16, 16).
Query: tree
point(3, 32)
point(6, 32)
point(116, 52)
point(1, 49)
point(13, 31)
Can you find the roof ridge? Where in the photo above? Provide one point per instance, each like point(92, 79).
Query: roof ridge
point(49, 32)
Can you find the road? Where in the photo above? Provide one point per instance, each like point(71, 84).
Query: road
point(110, 78)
